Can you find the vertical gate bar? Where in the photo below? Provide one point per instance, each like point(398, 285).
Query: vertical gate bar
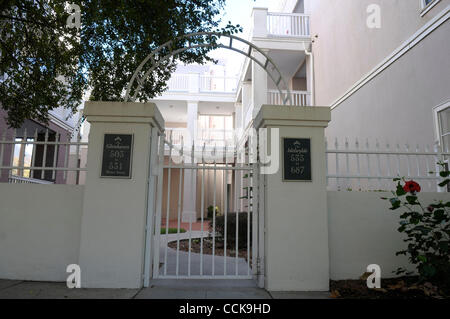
point(236, 206)
point(66, 158)
point(202, 208)
point(22, 153)
point(169, 177)
point(55, 151)
point(249, 209)
point(149, 226)
point(11, 161)
point(225, 211)
point(327, 170)
point(398, 160)
point(179, 209)
point(159, 198)
point(214, 210)
point(77, 157)
point(193, 176)
point(255, 219)
point(2, 138)
point(44, 159)
point(261, 229)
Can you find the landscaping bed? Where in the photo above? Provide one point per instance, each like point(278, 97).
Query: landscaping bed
point(396, 288)
point(207, 247)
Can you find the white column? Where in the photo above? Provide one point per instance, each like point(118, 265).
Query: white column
point(113, 224)
point(190, 179)
point(296, 255)
point(246, 103)
point(259, 84)
point(259, 18)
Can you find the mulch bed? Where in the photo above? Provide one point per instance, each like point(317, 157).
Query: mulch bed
point(397, 288)
point(207, 247)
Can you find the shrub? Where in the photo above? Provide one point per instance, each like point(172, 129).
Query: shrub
point(427, 230)
point(210, 211)
point(172, 230)
point(231, 229)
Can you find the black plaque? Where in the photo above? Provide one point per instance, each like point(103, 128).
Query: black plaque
point(117, 152)
point(297, 159)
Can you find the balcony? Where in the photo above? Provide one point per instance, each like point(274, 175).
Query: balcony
point(197, 83)
point(299, 98)
point(280, 25)
point(207, 137)
point(288, 25)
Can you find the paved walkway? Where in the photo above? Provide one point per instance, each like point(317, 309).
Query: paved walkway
point(229, 266)
point(161, 289)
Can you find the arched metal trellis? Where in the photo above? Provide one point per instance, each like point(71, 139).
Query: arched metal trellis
point(155, 60)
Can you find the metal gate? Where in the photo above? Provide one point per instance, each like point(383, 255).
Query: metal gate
point(219, 237)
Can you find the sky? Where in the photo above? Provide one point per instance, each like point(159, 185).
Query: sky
point(238, 12)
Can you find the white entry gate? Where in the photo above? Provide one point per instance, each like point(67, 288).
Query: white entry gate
point(205, 243)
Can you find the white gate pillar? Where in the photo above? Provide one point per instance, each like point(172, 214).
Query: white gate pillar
point(190, 177)
point(114, 216)
point(295, 212)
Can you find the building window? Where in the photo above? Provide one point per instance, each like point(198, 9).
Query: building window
point(27, 155)
point(443, 122)
point(22, 157)
point(427, 5)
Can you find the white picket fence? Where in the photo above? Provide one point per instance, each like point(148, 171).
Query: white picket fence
point(41, 158)
point(362, 166)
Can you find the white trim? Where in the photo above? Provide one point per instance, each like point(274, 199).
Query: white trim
point(433, 24)
point(436, 111)
point(428, 7)
point(57, 121)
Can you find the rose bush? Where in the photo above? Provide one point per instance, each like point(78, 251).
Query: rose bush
point(427, 229)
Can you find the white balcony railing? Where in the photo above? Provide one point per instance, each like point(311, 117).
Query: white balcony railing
point(13, 179)
point(178, 83)
point(288, 24)
point(195, 83)
point(208, 137)
point(223, 84)
point(299, 98)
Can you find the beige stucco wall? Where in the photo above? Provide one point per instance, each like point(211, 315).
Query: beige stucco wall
point(39, 230)
point(346, 49)
point(397, 104)
point(363, 231)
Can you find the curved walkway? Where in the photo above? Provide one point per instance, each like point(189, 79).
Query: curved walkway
point(234, 267)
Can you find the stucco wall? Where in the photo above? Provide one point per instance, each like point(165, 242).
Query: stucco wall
point(39, 230)
point(346, 49)
point(363, 231)
point(397, 105)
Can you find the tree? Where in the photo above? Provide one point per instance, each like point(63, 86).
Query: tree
point(46, 64)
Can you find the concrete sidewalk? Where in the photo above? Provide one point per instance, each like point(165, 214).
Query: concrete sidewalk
point(159, 289)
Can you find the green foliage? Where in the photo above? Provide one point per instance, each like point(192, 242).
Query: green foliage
point(427, 230)
point(172, 230)
point(210, 211)
point(46, 64)
point(231, 228)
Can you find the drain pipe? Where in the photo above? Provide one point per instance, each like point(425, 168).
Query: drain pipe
point(310, 54)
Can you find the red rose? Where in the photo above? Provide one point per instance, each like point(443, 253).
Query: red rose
point(411, 187)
